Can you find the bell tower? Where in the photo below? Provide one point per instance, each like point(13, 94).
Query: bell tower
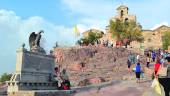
point(123, 14)
point(122, 11)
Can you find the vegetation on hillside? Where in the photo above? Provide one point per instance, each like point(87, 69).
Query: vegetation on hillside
point(90, 39)
point(125, 31)
point(5, 77)
point(166, 40)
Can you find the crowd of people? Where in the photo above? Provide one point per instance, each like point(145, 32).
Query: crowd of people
point(156, 60)
point(156, 57)
point(104, 43)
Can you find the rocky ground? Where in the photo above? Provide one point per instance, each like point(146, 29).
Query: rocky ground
point(93, 65)
point(127, 87)
point(96, 65)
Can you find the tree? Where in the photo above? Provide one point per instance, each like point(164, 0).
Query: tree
point(5, 77)
point(166, 40)
point(117, 28)
point(126, 31)
point(133, 32)
point(90, 39)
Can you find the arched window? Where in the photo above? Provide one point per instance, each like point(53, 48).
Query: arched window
point(121, 13)
point(126, 19)
point(127, 10)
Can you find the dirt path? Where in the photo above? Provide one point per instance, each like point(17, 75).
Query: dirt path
point(125, 87)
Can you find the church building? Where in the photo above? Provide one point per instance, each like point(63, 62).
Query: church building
point(152, 38)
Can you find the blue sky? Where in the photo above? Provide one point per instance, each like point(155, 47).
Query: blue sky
point(18, 18)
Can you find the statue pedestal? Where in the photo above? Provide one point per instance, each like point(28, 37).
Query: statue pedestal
point(38, 49)
point(34, 71)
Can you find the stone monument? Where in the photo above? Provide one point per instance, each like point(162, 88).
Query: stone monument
point(34, 68)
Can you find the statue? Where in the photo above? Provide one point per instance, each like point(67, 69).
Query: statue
point(34, 39)
point(34, 42)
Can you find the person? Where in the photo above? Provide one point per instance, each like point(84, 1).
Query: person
point(66, 82)
point(148, 59)
point(111, 44)
point(157, 67)
point(130, 57)
point(142, 72)
point(129, 65)
point(107, 43)
point(162, 60)
point(138, 72)
point(168, 67)
point(57, 76)
point(133, 59)
point(148, 62)
point(138, 57)
point(153, 56)
point(165, 81)
point(103, 42)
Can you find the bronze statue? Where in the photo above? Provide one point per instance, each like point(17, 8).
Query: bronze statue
point(34, 39)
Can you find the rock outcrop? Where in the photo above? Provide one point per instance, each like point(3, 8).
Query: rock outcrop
point(91, 65)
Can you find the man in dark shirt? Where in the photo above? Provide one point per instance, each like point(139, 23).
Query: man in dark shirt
point(168, 67)
point(165, 82)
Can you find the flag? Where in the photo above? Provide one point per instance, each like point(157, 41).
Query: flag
point(76, 31)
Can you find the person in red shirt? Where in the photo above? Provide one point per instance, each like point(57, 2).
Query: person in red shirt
point(157, 67)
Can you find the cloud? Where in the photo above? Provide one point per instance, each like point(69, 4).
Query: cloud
point(15, 31)
point(90, 8)
point(86, 24)
point(159, 25)
point(101, 10)
point(13, 25)
point(93, 13)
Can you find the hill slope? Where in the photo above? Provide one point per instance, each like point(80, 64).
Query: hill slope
point(87, 65)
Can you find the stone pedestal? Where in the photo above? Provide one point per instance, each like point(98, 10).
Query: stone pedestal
point(38, 49)
point(34, 71)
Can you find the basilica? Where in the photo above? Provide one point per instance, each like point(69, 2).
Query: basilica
point(152, 38)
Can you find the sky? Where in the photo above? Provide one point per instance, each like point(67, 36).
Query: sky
point(18, 18)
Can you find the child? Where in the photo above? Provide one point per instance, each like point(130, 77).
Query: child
point(138, 72)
